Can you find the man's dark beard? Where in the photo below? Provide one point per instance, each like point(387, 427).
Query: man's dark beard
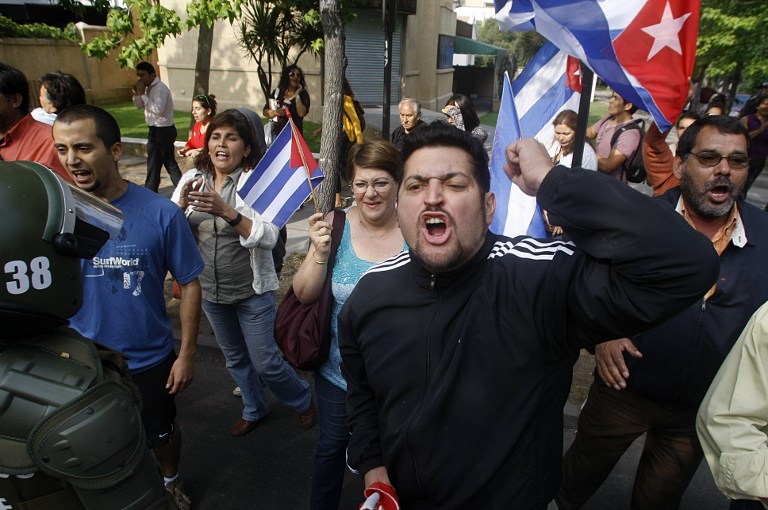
point(695, 199)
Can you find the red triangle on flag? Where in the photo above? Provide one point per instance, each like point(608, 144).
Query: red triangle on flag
point(573, 74)
point(299, 144)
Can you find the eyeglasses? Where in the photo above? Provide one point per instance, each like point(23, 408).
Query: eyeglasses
point(378, 186)
point(203, 98)
point(294, 73)
point(711, 159)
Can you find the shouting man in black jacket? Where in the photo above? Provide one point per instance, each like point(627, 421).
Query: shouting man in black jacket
point(458, 354)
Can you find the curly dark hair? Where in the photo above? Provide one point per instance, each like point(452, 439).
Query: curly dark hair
point(63, 90)
point(284, 77)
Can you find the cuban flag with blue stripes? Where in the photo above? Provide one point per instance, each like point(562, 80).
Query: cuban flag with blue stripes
point(278, 185)
point(549, 84)
point(644, 50)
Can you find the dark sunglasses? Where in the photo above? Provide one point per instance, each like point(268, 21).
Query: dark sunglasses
point(712, 158)
point(294, 73)
point(203, 98)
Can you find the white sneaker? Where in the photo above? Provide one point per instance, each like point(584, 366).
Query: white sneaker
point(236, 392)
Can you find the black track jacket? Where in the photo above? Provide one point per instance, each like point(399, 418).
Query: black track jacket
point(457, 381)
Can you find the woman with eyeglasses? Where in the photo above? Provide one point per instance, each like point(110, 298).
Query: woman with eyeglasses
point(291, 94)
point(203, 110)
point(371, 235)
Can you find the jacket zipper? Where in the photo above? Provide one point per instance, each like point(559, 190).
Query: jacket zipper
point(432, 283)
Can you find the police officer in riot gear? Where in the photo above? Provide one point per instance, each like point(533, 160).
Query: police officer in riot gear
point(71, 435)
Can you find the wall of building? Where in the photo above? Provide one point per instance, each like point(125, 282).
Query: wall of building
point(103, 80)
point(233, 78)
point(420, 77)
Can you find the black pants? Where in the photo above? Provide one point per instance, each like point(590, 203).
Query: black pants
point(609, 423)
point(160, 151)
point(745, 504)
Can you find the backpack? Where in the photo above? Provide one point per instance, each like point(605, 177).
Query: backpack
point(634, 169)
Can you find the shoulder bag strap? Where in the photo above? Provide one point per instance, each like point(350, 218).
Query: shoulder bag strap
point(339, 218)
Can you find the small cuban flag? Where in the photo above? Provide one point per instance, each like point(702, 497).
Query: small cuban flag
point(283, 179)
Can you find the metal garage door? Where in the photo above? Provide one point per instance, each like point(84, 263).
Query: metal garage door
point(365, 55)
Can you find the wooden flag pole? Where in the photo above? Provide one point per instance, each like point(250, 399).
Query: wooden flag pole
point(587, 76)
point(295, 133)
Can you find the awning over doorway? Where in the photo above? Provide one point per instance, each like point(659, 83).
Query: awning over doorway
point(465, 45)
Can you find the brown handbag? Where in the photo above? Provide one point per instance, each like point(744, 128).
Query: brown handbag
point(303, 332)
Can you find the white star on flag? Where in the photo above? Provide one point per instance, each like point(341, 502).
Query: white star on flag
point(666, 32)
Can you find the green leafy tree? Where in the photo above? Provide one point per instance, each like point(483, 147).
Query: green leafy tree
point(136, 39)
point(520, 46)
point(269, 31)
point(733, 43)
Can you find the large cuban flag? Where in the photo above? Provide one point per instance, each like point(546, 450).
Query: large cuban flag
point(645, 50)
point(549, 84)
point(278, 185)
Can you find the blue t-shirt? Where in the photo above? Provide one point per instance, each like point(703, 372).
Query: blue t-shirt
point(123, 299)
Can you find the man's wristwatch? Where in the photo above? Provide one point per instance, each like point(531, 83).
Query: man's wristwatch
point(236, 221)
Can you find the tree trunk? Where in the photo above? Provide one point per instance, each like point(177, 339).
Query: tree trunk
point(333, 101)
point(202, 64)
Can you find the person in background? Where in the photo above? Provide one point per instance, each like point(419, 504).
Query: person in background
point(239, 280)
point(57, 91)
point(716, 105)
point(22, 138)
point(123, 295)
point(371, 235)
point(353, 131)
point(461, 114)
point(410, 119)
point(653, 382)
point(203, 110)
point(757, 125)
point(658, 157)
point(154, 97)
point(561, 148)
point(291, 95)
point(750, 106)
point(611, 158)
point(732, 422)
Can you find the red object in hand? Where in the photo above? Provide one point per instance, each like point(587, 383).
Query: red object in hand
point(387, 496)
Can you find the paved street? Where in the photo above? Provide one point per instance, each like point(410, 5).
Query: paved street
point(269, 469)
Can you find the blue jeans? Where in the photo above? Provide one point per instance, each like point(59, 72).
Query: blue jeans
point(331, 449)
point(245, 333)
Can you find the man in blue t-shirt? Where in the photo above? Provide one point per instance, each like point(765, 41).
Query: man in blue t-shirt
point(123, 299)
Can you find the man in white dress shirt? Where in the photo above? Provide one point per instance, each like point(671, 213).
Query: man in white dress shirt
point(155, 97)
